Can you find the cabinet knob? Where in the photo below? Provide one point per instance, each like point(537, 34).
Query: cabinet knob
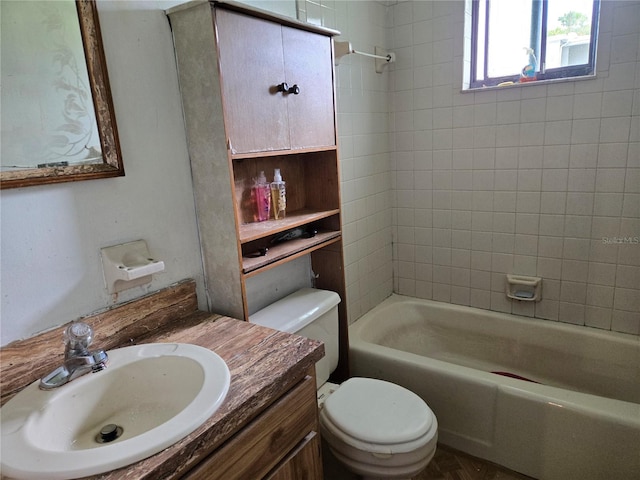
point(285, 88)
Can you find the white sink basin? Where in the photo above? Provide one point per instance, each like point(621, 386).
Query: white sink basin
point(156, 393)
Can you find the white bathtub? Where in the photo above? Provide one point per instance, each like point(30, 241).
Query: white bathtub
point(581, 421)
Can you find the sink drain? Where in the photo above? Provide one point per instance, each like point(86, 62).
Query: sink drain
point(109, 433)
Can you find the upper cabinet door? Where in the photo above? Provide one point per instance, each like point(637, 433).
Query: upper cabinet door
point(307, 63)
point(252, 65)
point(258, 60)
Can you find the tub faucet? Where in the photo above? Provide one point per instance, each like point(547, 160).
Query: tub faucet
point(78, 360)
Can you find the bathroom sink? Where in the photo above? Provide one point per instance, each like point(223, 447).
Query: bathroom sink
point(148, 398)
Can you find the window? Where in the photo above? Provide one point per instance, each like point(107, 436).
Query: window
point(528, 40)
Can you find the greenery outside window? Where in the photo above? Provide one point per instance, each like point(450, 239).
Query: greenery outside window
point(529, 40)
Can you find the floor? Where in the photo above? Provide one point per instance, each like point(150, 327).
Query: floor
point(450, 464)
point(447, 464)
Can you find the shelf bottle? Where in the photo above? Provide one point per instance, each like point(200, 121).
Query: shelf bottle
point(262, 198)
point(278, 195)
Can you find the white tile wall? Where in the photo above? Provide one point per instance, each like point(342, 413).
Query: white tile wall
point(538, 180)
point(523, 180)
point(365, 144)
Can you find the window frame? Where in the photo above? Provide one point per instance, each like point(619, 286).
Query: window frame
point(542, 73)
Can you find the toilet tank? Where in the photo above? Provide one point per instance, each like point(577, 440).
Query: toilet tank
point(311, 313)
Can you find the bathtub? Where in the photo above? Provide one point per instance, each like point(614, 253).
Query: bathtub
point(563, 405)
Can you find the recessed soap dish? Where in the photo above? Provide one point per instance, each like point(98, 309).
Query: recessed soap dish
point(524, 289)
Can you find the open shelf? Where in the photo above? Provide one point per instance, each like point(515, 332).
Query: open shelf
point(311, 185)
point(276, 153)
point(256, 230)
point(289, 250)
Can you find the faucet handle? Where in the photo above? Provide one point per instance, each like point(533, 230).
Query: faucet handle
point(78, 335)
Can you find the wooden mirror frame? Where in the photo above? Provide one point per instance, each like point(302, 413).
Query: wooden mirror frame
point(112, 165)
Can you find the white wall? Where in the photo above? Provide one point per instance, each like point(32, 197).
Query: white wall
point(51, 235)
point(524, 180)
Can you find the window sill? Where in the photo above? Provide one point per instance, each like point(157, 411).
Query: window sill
point(508, 85)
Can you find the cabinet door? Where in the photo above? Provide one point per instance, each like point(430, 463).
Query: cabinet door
point(304, 463)
point(260, 446)
point(307, 61)
point(251, 66)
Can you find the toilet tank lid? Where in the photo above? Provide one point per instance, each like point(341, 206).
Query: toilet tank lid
point(296, 311)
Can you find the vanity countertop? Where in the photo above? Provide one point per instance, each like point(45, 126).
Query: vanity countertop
point(264, 363)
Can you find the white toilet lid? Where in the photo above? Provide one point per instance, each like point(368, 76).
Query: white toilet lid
point(378, 412)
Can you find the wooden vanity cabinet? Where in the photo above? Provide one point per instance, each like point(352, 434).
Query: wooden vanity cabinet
point(231, 59)
point(282, 443)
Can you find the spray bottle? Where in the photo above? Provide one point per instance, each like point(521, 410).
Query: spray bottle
point(528, 73)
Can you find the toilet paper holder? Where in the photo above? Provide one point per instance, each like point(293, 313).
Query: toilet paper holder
point(523, 288)
point(128, 265)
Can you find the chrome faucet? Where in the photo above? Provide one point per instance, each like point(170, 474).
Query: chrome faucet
point(78, 360)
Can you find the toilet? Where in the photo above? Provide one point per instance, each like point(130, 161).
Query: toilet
point(377, 429)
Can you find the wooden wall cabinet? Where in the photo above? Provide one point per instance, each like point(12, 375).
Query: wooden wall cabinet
point(231, 60)
point(277, 85)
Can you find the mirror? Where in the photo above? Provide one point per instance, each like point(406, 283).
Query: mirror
point(58, 122)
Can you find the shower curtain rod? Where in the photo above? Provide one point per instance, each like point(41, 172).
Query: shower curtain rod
point(387, 57)
point(382, 56)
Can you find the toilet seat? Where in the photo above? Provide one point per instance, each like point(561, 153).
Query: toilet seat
point(378, 417)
